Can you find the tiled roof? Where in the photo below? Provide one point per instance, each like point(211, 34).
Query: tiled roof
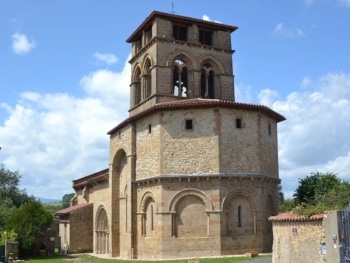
point(73, 208)
point(290, 216)
point(173, 17)
point(201, 103)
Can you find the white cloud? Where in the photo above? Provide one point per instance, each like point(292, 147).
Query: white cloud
point(289, 32)
point(21, 44)
point(267, 96)
point(315, 135)
point(107, 58)
point(107, 84)
point(207, 18)
point(243, 93)
point(53, 139)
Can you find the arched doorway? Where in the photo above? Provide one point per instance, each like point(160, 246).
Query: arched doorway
point(102, 233)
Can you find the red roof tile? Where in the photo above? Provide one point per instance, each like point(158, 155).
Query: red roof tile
point(200, 103)
point(73, 208)
point(290, 216)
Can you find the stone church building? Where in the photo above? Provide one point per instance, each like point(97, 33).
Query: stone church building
point(191, 171)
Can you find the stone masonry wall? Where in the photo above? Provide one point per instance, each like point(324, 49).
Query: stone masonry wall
point(298, 241)
point(81, 230)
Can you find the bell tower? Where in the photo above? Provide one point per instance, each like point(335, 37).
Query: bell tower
point(192, 172)
point(176, 58)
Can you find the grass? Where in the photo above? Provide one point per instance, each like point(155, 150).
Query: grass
point(83, 258)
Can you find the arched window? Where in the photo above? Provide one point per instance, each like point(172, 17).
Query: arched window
point(137, 86)
point(147, 80)
point(207, 82)
point(180, 78)
point(240, 217)
point(148, 209)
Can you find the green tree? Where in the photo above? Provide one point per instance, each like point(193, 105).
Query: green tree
point(66, 200)
point(325, 183)
point(321, 192)
point(287, 205)
point(11, 197)
point(28, 221)
point(306, 191)
point(9, 182)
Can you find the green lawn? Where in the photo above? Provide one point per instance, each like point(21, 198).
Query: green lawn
point(90, 259)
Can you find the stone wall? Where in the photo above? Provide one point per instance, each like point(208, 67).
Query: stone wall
point(81, 230)
point(298, 238)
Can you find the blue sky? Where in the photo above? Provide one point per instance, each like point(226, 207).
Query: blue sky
point(64, 81)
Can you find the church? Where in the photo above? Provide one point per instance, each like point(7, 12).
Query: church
point(192, 172)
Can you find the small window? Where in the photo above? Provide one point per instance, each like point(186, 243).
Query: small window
point(205, 37)
point(180, 33)
point(148, 34)
point(269, 128)
point(149, 128)
point(189, 125)
point(238, 123)
point(239, 216)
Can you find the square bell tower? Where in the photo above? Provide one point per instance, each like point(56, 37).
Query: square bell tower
point(176, 57)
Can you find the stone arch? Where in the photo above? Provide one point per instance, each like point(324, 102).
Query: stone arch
point(119, 176)
point(145, 198)
point(147, 59)
point(119, 161)
point(101, 231)
point(182, 66)
point(270, 209)
point(240, 211)
point(217, 65)
point(194, 192)
point(190, 216)
point(148, 210)
point(181, 54)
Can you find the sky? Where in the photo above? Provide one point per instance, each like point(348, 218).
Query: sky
point(64, 81)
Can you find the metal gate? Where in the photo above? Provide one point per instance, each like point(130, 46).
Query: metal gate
point(345, 234)
point(2, 253)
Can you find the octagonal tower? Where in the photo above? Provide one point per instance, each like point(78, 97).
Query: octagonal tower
point(192, 172)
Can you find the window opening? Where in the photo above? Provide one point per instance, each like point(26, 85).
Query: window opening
point(207, 82)
point(239, 214)
point(147, 76)
point(269, 128)
point(149, 128)
point(179, 78)
point(189, 125)
point(137, 86)
point(151, 217)
point(138, 44)
point(180, 33)
point(148, 34)
point(205, 37)
point(238, 123)
point(211, 85)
